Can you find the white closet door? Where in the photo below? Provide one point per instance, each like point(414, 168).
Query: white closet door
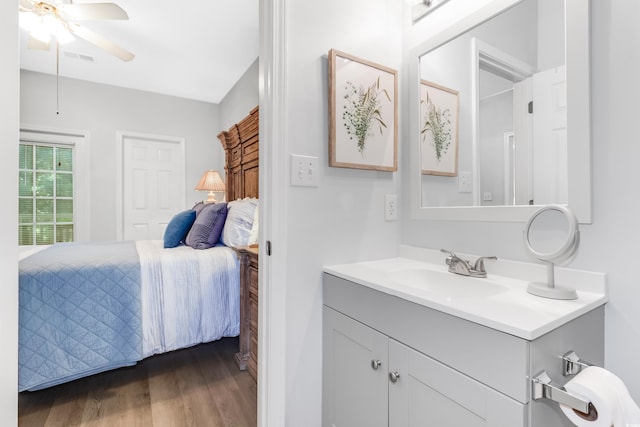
point(153, 186)
point(550, 137)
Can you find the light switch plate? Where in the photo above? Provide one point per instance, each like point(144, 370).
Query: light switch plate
point(304, 171)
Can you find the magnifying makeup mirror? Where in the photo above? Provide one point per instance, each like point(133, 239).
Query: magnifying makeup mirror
point(552, 236)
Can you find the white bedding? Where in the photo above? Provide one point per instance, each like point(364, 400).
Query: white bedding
point(188, 296)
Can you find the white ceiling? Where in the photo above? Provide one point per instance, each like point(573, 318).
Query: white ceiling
point(191, 49)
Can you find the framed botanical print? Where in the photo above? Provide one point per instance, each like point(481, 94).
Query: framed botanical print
point(438, 129)
point(363, 113)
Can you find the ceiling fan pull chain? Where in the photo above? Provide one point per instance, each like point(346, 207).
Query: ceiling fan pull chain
point(57, 78)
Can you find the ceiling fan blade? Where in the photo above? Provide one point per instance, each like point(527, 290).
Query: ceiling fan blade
point(34, 43)
point(93, 11)
point(101, 42)
point(27, 4)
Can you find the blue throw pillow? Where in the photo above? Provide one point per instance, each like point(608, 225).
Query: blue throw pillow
point(178, 228)
point(206, 230)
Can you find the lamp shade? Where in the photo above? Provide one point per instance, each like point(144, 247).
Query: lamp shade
point(211, 181)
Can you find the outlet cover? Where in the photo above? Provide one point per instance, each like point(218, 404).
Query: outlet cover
point(390, 207)
point(465, 182)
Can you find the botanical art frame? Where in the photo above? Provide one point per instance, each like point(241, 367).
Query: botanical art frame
point(363, 114)
point(438, 130)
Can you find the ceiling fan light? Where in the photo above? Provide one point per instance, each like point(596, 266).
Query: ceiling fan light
point(57, 28)
point(52, 24)
point(29, 20)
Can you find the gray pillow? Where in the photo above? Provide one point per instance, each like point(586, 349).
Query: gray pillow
point(198, 207)
point(207, 228)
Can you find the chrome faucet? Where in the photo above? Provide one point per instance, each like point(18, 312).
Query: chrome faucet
point(463, 267)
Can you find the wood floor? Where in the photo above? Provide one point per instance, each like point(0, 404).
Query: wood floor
point(199, 386)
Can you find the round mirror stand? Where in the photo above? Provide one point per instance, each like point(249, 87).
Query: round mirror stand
point(562, 253)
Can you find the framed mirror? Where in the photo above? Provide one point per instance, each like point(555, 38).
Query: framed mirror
point(517, 134)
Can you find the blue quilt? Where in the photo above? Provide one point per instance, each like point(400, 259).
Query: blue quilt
point(80, 312)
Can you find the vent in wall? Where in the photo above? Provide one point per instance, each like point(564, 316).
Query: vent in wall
point(79, 56)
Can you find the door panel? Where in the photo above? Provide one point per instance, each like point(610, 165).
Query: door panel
point(430, 394)
point(354, 393)
point(550, 136)
point(153, 186)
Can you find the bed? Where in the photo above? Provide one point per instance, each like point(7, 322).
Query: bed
point(86, 308)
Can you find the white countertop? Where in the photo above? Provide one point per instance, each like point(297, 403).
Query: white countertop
point(509, 309)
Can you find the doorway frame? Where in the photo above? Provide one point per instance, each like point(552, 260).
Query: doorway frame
point(488, 57)
point(272, 366)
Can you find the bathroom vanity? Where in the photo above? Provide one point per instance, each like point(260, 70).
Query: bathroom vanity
point(408, 343)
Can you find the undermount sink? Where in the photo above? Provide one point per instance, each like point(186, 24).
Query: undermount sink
point(446, 285)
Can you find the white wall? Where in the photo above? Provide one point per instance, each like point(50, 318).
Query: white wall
point(610, 244)
point(103, 110)
point(342, 219)
point(550, 34)
point(241, 99)
point(9, 124)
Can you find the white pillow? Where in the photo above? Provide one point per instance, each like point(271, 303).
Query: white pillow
point(253, 234)
point(239, 222)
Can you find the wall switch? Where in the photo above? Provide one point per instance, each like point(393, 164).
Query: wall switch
point(304, 171)
point(390, 207)
point(465, 181)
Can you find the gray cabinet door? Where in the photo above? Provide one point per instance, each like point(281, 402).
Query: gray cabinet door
point(355, 361)
point(430, 394)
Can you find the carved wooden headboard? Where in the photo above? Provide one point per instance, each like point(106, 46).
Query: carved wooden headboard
point(240, 144)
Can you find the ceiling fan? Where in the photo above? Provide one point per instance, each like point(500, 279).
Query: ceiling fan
point(44, 19)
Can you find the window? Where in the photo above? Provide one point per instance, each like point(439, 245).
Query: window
point(46, 194)
point(51, 187)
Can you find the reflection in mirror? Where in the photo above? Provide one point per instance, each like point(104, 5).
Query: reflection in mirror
point(493, 58)
point(511, 148)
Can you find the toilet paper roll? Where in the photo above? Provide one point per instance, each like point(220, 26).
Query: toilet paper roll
point(609, 396)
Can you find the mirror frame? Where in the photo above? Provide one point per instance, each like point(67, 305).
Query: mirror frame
point(577, 33)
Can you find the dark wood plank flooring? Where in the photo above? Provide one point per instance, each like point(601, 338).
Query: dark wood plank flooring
point(198, 386)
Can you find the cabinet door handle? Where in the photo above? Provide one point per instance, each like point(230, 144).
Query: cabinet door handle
point(375, 364)
point(394, 376)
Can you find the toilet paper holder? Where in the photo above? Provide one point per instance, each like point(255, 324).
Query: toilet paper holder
point(572, 364)
point(542, 388)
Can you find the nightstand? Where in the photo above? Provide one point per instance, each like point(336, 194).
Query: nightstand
point(247, 357)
